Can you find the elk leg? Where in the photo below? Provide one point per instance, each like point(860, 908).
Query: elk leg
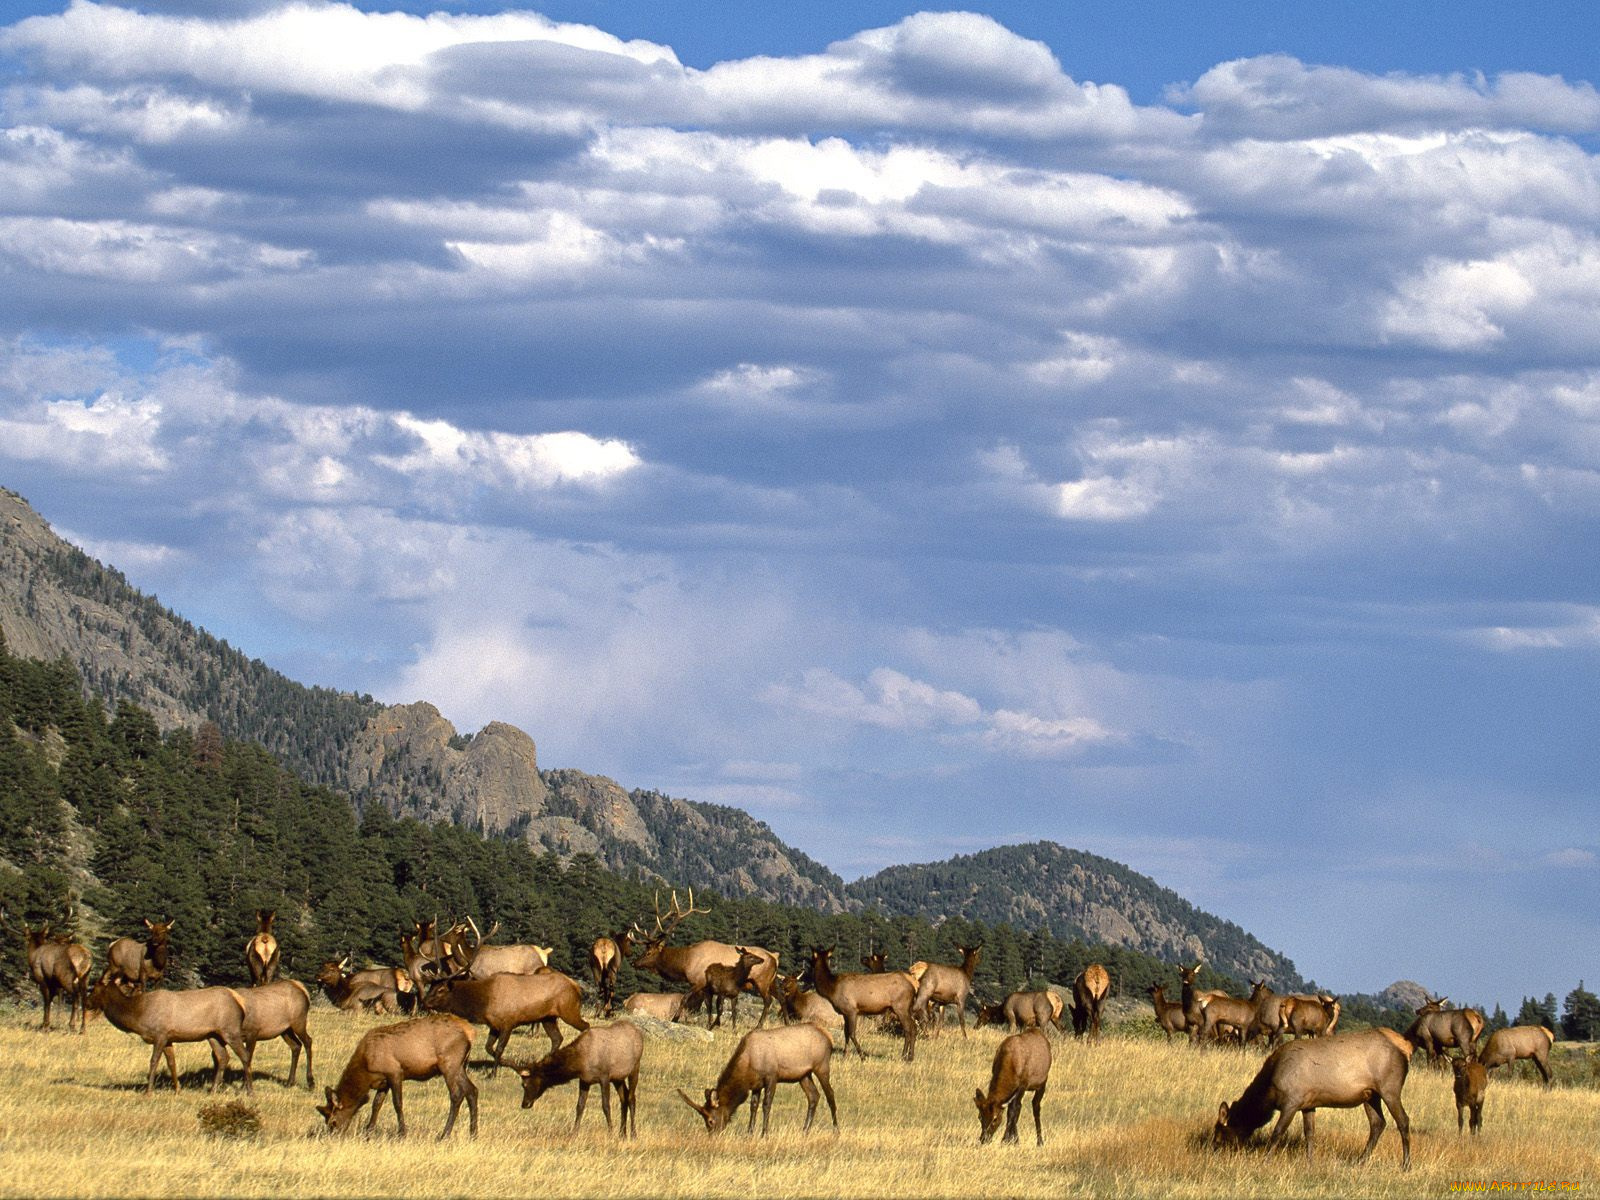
point(1544, 1068)
point(399, 1110)
point(632, 1123)
point(605, 1102)
point(827, 1091)
point(219, 1061)
point(551, 1031)
point(812, 1096)
point(237, 1046)
point(909, 1051)
point(1477, 1119)
point(735, 1005)
point(1013, 1113)
point(766, 1105)
point(850, 1034)
point(1281, 1129)
point(961, 1015)
point(766, 1005)
point(583, 1099)
point(156, 1049)
point(1374, 1125)
point(45, 996)
point(1038, 1103)
point(1402, 1123)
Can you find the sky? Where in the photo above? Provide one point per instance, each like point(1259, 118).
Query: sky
point(1175, 436)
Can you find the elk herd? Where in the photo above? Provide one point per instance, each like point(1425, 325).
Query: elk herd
point(450, 982)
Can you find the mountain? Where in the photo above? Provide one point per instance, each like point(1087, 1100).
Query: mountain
point(1074, 894)
point(58, 603)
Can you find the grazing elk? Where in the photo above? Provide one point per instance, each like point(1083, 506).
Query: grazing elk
point(687, 964)
point(1031, 1010)
point(163, 1019)
point(141, 964)
point(1337, 1072)
point(1267, 1020)
point(1506, 1046)
point(503, 1002)
point(421, 1048)
point(1089, 992)
point(1310, 1016)
point(58, 967)
point(724, 984)
point(608, 1055)
point(763, 1059)
point(277, 1010)
point(856, 996)
point(1169, 1013)
point(376, 989)
point(1021, 1064)
point(605, 959)
point(800, 1005)
point(481, 961)
point(1471, 1080)
point(663, 1006)
point(944, 984)
point(261, 951)
point(1438, 1028)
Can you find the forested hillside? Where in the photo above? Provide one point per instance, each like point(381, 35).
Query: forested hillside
point(202, 829)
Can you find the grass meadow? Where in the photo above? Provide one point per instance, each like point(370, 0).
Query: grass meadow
point(1129, 1116)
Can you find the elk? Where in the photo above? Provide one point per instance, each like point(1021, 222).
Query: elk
point(1471, 1080)
point(374, 988)
point(1520, 1041)
point(1030, 1010)
point(725, 983)
point(1337, 1072)
point(605, 958)
point(213, 1014)
point(1089, 992)
point(421, 1048)
point(1310, 1016)
point(943, 984)
point(799, 1005)
point(139, 963)
point(1193, 1001)
point(1219, 1014)
point(763, 1059)
point(440, 953)
point(1169, 1013)
point(856, 996)
point(687, 964)
point(261, 951)
point(58, 967)
point(482, 961)
point(1267, 1020)
point(608, 1055)
point(1437, 1028)
point(503, 1002)
point(277, 1010)
point(1021, 1064)
point(663, 1006)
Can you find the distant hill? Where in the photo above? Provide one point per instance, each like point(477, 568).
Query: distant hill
point(1074, 894)
point(57, 602)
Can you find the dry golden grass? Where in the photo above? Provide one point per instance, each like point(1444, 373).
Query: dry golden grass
point(1127, 1117)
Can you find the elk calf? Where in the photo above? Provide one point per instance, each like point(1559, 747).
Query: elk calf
point(724, 983)
point(1021, 1064)
point(384, 1058)
point(1169, 1013)
point(213, 1014)
point(1335, 1072)
point(763, 1059)
point(1472, 1078)
point(277, 1010)
point(608, 1055)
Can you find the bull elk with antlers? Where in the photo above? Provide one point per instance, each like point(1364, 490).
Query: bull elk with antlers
point(687, 964)
point(58, 967)
point(481, 960)
point(376, 989)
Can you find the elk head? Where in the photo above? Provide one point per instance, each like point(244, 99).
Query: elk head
point(264, 919)
point(336, 1113)
point(990, 1114)
point(716, 1116)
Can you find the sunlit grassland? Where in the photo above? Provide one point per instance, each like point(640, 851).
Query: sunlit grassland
point(1125, 1117)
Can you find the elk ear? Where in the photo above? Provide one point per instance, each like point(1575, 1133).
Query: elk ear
point(977, 1097)
point(525, 1072)
point(1222, 1113)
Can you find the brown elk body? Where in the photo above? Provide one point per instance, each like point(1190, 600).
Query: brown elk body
point(419, 1049)
point(1267, 1020)
point(799, 1004)
point(1220, 1014)
point(663, 1006)
point(687, 964)
point(1337, 1072)
point(944, 984)
point(481, 961)
point(723, 984)
point(608, 1055)
point(1506, 1046)
point(1310, 1016)
point(1030, 1010)
point(763, 1059)
point(141, 964)
point(1169, 1013)
point(1194, 999)
point(856, 996)
point(1089, 992)
point(503, 1002)
point(278, 1010)
point(59, 968)
point(605, 959)
point(1021, 1065)
point(1438, 1028)
point(164, 1019)
point(1471, 1080)
point(261, 953)
point(376, 989)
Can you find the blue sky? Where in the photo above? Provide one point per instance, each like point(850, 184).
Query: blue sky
point(924, 430)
